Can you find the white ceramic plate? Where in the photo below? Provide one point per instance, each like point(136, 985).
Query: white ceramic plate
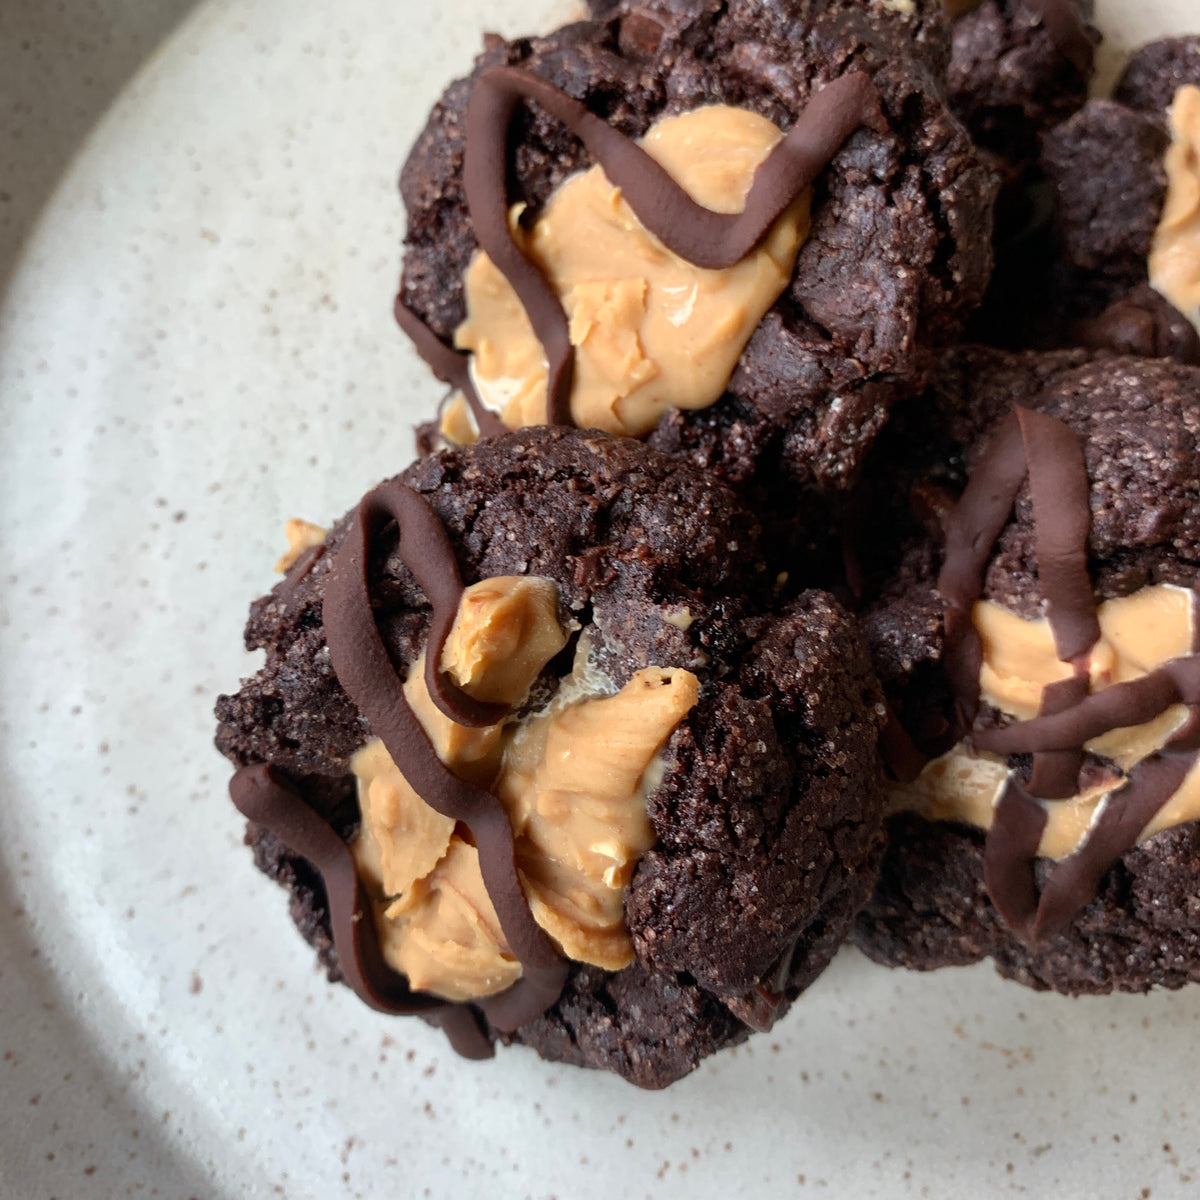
point(197, 344)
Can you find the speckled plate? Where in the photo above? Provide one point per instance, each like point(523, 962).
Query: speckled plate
point(196, 343)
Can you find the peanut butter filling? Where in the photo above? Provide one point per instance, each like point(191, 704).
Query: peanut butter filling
point(1138, 634)
point(301, 536)
point(574, 782)
point(1175, 253)
point(573, 779)
point(650, 330)
point(506, 631)
point(444, 935)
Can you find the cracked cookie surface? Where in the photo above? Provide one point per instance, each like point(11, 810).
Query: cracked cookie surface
point(899, 249)
point(767, 820)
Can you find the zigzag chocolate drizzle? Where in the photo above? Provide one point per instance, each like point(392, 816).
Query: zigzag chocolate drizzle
point(1131, 703)
point(1051, 454)
point(702, 237)
point(262, 795)
point(365, 671)
point(426, 551)
point(1062, 524)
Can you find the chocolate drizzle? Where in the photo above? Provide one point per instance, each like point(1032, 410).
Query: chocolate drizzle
point(1126, 812)
point(1028, 443)
point(449, 366)
point(1062, 521)
point(972, 528)
point(1010, 852)
point(426, 551)
point(262, 795)
point(1055, 774)
point(365, 671)
point(705, 238)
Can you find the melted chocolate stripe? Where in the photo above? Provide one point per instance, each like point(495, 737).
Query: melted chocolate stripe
point(982, 512)
point(972, 528)
point(1126, 812)
point(1116, 707)
point(1056, 772)
point(711, 240)
point(1062, 521)
point(262, 795)
point(490, 112)
point(364, 669)
point(1009, 854)
point(448, 365)
point(1062, 524)
point(426, 551)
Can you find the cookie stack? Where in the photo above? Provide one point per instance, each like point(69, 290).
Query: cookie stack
point(805, 548)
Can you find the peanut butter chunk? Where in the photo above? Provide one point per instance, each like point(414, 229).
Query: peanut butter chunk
point(401, 838)
point(445, 935)
point(507, 630)
point(456, 424)
point(1175, 254)
point(575, 783)
point(301, 536)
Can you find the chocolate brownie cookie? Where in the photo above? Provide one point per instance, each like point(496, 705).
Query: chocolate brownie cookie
point(1037, 636)
point(1156, 72)
point(921, 27)
point(866, 233)
point(1018, 68)
point(610, 800)
point(1125, 183)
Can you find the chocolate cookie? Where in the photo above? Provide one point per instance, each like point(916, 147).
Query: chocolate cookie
point(921, 27)
point(1018, 68)
point(611, 800)
point(1156, 72)
point(1123, 173)
point(1035, 627)
point(875, 208)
